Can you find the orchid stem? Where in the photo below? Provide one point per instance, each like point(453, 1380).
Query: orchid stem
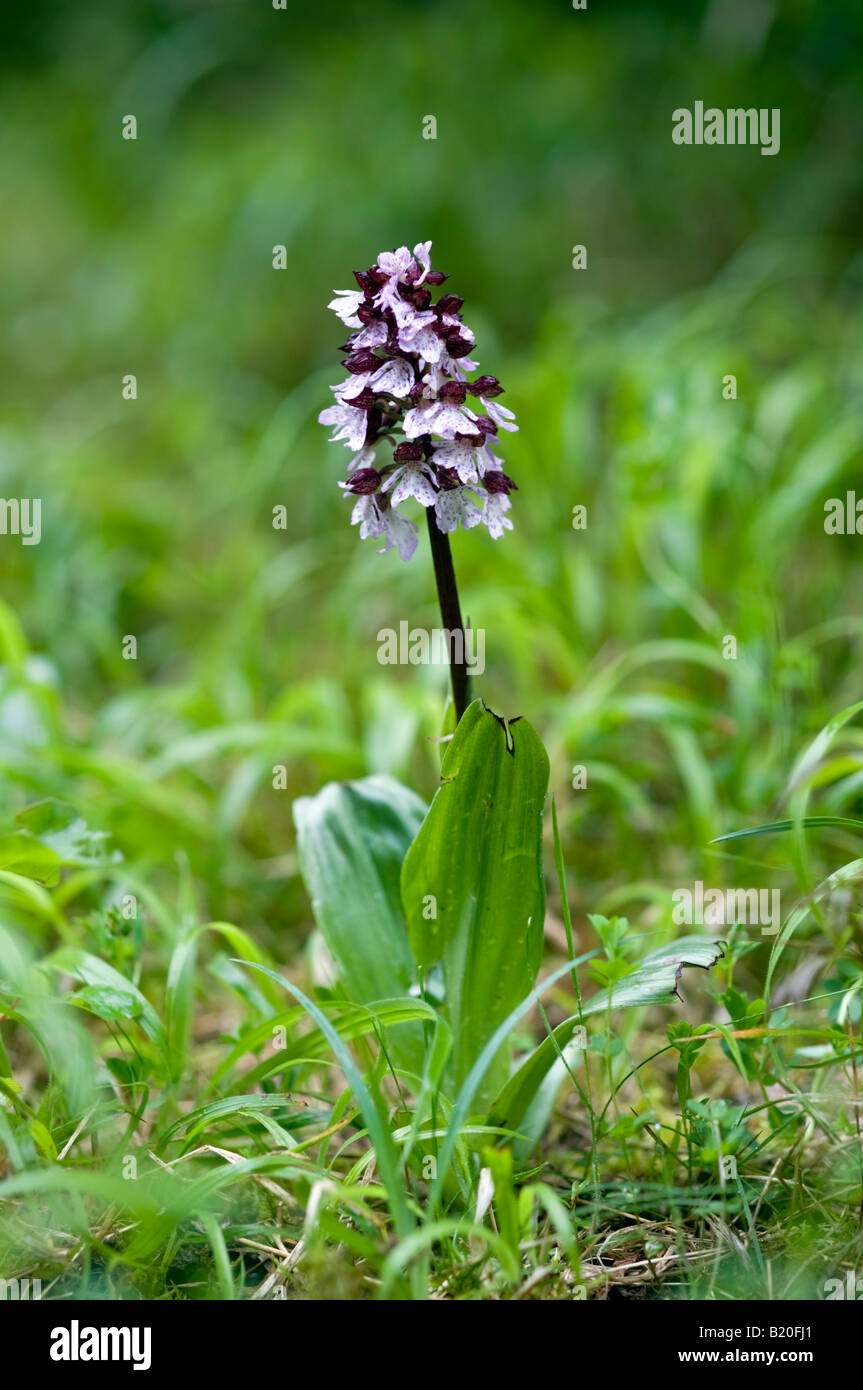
point(447, 592)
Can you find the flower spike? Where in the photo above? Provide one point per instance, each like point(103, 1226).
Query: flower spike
point(408, 388)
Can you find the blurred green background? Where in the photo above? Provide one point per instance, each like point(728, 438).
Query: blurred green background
point(257, 647)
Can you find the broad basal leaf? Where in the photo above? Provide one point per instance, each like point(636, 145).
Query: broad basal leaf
point(472, 881)
point(352, 839)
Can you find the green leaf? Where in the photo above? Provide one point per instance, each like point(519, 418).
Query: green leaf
point(352, 838)
point(128, 1071)
point(180, 985)
point(352, 1021)
point(60, 828)
point(472, 881)
point(370, 1103)
point(108, 1002)
point(229, 1106)
point(809, 759)
point(780, 826)
point(848, 873)
point(41, 1137)
point(464, 1103)
point(654, 981)
point(26, 856)
point(90, 970)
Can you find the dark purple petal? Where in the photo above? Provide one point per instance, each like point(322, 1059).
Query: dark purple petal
point(409, 451)
point(485, 386)
point(363, 400)
point(448, 478)
point(449, 303)
point(459, 347)
point(498, 482)
point(363, 361)
point(364, 481)
point(365, 282)
point(374, 422)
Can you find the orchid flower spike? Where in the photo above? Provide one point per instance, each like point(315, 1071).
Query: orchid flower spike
point(416, 425)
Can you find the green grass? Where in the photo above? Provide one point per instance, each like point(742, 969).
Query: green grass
point(175, 1124)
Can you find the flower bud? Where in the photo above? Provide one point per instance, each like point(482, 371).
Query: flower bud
point(448, 478)
point(365, 282)
point(498, 482)
point(409, 451)
point(454, 392)
point(358, 363)
point(364, 481)
point(458, 347)
point(485, 386)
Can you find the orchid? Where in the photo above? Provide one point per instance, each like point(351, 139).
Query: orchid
point(408, 387)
